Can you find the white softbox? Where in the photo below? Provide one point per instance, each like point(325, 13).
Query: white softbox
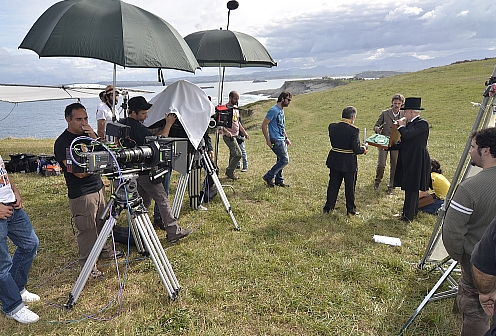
point(191, 105)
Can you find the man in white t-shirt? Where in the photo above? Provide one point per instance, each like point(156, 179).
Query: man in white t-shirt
point(15, 224)
point(104, 111)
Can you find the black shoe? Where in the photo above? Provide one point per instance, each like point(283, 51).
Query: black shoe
point(282, 184)
point(269, 182)
point(181, 235)
point(157, 222)
point(232, 176)
point(118, 255)
point(326, 210)
point(352, 213)
point(405, 219)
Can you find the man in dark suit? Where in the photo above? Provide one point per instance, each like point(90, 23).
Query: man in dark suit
point(342, 160)
point(413, 166)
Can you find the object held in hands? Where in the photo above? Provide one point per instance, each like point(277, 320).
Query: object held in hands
point(384, 142)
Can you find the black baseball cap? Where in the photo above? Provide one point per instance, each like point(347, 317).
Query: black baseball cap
point(139, 104)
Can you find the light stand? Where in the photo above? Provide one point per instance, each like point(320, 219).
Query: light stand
point(231, 5)
point(210, 170)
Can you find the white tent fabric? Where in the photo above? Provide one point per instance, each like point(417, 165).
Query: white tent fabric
point(13, 93)
point(19, 93)
point(190, 104)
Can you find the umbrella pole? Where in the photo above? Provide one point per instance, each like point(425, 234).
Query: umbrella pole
point(219, 92)
point(113, 94)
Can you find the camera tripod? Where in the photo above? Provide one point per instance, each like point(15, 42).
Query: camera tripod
point(147, 242)
point(193, 176)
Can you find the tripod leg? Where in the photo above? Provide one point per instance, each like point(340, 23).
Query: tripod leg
point(157, 255)
point(137, 238)
point(90, 262)
point(179, 196)
point(194, 186)
point(211, 171)
point(181, 189)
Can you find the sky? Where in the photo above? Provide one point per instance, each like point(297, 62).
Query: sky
point(373, 35)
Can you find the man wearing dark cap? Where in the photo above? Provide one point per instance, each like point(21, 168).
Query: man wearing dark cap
point(413, 166)
point(138, 112)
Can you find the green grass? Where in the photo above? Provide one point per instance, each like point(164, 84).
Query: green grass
point(290, 270)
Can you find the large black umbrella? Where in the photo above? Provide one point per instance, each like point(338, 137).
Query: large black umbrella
point(109, 30)
point(227, 48)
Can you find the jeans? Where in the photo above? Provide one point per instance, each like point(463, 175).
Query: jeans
point(234, 153)
point(244, 156)
point(14, 270)
point(166, 184)
point(280, 149)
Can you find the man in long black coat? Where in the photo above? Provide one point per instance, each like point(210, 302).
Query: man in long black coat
point(413, 167)
point(342, 160)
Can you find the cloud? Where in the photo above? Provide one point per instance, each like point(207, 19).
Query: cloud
point(321, 33)
point(403, 13)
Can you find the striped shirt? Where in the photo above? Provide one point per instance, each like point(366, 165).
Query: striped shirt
point(471, 209)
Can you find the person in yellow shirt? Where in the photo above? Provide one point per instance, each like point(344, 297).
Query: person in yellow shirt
point(439, 184)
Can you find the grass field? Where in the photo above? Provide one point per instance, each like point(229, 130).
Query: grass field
point(291, 270)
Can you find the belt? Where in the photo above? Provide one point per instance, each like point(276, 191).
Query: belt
point(9, 203)
point(344, 151)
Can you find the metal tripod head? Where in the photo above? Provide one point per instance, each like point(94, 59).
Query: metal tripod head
point(125, 195)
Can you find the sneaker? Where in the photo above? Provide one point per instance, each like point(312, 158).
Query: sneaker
point(390, 190)
point(96, 274)
point(269, 182)
point(181, 235)
point(24, 315)
point(29, 297)
point(376, 185)
point(244, 170)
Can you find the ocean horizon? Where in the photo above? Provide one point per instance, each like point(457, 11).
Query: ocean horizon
point(45, 119)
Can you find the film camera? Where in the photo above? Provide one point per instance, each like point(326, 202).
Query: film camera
point(223, 117)
point(157, 154)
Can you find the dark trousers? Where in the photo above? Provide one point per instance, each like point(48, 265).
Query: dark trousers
point(475, 322)
point(410, 205)
point(335, 179)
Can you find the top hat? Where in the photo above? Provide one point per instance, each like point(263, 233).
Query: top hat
point(138, 103)
point(412, 103)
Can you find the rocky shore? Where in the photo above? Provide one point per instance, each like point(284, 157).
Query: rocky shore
point(297, 87)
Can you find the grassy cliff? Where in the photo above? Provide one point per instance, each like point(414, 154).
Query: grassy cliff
point(291, 270)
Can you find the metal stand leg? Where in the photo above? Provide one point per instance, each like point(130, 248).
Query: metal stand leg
point(194, 186)
point(430, 296)
point(210, 169)
point(90, 262)
point(144, 236)
point(157, 254)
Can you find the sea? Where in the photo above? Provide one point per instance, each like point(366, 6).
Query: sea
point(45, 119)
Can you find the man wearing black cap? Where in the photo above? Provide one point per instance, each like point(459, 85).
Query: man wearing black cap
point(138, 112)
point(413, 167)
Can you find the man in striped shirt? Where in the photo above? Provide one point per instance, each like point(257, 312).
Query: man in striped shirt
point(471, 209)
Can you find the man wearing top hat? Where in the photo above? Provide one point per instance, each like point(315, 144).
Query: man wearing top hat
point(413, 167)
